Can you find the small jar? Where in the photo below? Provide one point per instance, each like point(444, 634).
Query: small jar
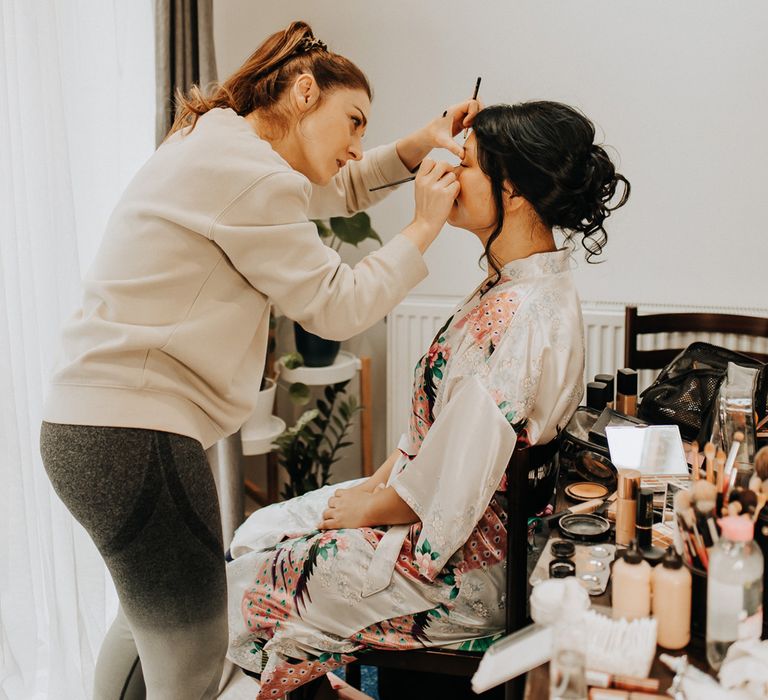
point(561, 567)
point(563, 549)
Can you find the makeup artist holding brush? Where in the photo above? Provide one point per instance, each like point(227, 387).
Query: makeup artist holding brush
point(166, 354)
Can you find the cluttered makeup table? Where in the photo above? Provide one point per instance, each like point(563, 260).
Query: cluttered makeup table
point(538, 680)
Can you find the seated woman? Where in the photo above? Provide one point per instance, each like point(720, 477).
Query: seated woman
point(413, 557)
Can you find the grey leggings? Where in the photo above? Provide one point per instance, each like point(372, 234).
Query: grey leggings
point(148, 500)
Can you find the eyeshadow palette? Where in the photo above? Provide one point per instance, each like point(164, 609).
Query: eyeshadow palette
point(593, 565)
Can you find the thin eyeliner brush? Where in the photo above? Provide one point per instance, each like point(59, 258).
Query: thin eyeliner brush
point(474, 97)
point(393, 184)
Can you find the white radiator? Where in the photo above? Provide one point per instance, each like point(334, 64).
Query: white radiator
point(413, 324)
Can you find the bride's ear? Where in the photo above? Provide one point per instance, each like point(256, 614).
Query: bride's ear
point(513, 201)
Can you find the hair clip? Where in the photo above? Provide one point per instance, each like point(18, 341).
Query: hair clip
point(309, 43)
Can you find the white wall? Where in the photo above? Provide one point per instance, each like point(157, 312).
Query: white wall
point(678, 88)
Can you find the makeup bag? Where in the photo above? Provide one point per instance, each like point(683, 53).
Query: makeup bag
point(686, 391)
point(580, 455)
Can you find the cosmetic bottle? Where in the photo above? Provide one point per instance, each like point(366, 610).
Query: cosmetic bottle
point(672, 601)
point(644, 518)
point(597, 395)
point(734, 588)
point(644, 528)
point(631, 582)
point(626, 505)
point(626, 392)
point(607, 379)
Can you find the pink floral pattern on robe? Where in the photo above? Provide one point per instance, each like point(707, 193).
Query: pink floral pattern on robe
point(506, 367)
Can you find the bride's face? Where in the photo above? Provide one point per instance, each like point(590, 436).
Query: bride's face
point(474, 208)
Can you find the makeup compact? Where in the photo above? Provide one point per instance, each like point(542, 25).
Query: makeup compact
point(585, 491)
point(585, 527)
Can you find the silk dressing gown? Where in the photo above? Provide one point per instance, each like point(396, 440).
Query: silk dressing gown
point(506, 367)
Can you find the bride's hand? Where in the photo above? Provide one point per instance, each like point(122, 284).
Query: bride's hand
point(347, 508)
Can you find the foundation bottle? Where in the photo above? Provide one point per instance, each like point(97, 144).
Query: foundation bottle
point(631, 584)
point(607, 379)
point(672, 601)
point(626, 392)
point(626, 505)
point(597, 395)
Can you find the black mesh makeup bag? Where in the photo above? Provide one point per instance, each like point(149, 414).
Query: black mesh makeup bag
point(685, 392)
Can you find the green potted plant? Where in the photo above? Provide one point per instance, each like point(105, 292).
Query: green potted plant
point(309, 448)
point(317, 351)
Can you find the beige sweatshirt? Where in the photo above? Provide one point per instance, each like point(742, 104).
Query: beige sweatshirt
point(172, 332)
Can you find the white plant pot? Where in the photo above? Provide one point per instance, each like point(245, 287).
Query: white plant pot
point(262, 412)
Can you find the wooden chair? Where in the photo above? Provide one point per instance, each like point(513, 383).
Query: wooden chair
point(683, 323)
point(520, 505)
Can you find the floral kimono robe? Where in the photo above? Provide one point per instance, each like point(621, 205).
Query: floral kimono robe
point(507, 366)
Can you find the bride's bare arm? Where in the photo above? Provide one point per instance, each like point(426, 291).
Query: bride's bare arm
point(369, 503)
point(364, 509)
point(380, 476)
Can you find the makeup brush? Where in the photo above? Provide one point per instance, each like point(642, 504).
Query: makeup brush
point(746, 498)
point(719, 469)
point(392, 184)
point(474, 97)
point(761, 463)
point(695, 460)
point(738, 437)
point(761, 499)
point(709, 455)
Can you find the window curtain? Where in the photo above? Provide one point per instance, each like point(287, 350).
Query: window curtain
point(185, 56)
point(184, 53)
point(76, 122)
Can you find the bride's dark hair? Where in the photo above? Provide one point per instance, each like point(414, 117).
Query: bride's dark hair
point(546, 152)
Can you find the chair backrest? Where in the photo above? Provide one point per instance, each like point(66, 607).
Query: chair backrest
point(683, 323)
point(524, 460)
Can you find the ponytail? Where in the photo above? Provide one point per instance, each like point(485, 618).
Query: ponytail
point(264, 77)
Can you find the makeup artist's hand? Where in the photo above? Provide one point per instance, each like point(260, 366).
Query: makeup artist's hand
point(436, 190)
point(457, 117)
point(438, 133)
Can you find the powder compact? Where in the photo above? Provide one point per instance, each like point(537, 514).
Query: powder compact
point(585, 491)
point(586, 527)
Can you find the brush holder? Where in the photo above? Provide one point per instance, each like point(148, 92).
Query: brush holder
point(698, 602)
point(761, 538)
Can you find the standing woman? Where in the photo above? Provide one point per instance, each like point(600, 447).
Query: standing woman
point(165, 356)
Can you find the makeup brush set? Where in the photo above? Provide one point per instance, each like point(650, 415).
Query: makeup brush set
point(717, 491)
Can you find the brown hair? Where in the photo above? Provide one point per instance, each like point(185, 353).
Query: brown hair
point(267, 73)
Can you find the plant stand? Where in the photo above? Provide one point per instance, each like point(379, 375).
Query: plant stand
point(259, 442)
point(344, 367)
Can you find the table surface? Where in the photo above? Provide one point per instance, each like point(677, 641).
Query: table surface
point(537, 680)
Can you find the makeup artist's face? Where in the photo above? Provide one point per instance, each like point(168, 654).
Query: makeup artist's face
point(474, 209)
point(331, 134)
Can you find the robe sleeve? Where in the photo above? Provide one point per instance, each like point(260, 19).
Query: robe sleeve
point(526, 385)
